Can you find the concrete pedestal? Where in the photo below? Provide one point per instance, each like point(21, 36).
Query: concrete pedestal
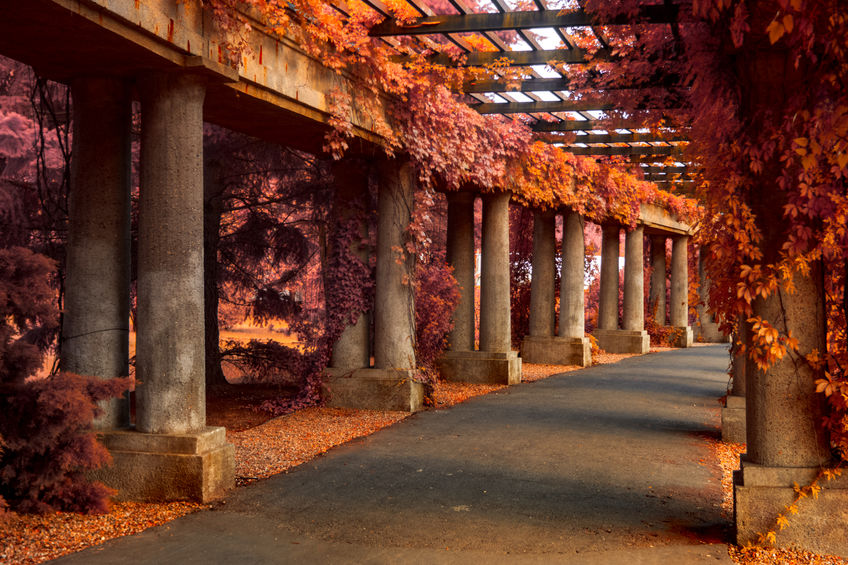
point(761, 493)
point(684, 337)
point(557, 350)
point(161, 467)
point(733, 420)
point(481, 367)
point(623, 341)
point(373, 389)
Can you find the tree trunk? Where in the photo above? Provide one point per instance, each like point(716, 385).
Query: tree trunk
point(213, 189)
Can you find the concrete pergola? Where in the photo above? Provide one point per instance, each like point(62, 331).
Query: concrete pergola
point(165, 55)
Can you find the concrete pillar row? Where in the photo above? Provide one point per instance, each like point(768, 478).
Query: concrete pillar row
point(95, 336)
point(658, 279)
point(608, 299)
point(389, 385)
point(495, 362)
point(394, 307)
point(572, 301)
point(460, 255)
point(634, 297)
point(170, 344)
point(543, 281)
point(632, 338)
point(352, 348)
point(495, 322)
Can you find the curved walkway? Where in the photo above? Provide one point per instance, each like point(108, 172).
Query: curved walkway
point(602, 465)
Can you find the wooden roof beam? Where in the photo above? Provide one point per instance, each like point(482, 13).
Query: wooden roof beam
point(657, 13)
point(630, 150)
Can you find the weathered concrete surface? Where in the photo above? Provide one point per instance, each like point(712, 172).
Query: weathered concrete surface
point(281, 93)
point(543, 281)
point(679, 292)
point(623, 341)
point(733, 420)
point(557, 350)
point(685, 336)
point(821, 524)
point(708, 331)
point(373, 389)
point(352, 348)
point(394, 303)
point(572, 301)
point(157, 467)
point(481, 367)
point(170, 348)
point(460, 255)
point(495, 321)
point(658, 220)
point(599, 466)
point(608, 299)
point(658, 279)
point(633, 298)
point(95, 338)
point(785, 441)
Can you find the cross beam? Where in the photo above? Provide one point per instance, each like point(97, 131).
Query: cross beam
point(631, 150)
point(519, 58)
point(541, 107)
point(519, 20)
point(625, 138)
point(583, 125)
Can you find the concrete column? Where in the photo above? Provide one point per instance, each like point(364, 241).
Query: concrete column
point(170, 344)
point(608, 300)
point(783, 410)
point(571, 297)
point(543, 281)
point(658, 279)
point(95, 333)
point(634, 298)
point(708, 329)
point(679, 282)
point(351, 350)
point(460, 255)
point(733, 425)
point(740, 355)
point(495, 324)
point(394, 310)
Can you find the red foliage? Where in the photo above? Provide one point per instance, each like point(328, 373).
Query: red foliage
point(436, 298)
point(44, 422)
point(49, 446)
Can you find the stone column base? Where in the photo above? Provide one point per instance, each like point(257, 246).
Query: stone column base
point(684, 336)
point(163, 467)
point(481, 367)
point(733, 420)
point(761, 493)
point(373, 389)
point(623, 341)
point(557, 350)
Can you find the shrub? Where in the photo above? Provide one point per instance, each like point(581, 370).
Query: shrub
point(43, 422)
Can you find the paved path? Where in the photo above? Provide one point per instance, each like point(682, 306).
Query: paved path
point(605, 465)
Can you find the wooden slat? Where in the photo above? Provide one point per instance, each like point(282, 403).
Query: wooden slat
point(518, 20)
point(632, 150)
point(541, 107)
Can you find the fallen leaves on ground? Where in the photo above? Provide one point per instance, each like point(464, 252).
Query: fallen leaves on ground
point(295, 438)
point(446, 394)
point(34, 538)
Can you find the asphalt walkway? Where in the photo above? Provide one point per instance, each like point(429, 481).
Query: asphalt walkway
point(604, 465)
